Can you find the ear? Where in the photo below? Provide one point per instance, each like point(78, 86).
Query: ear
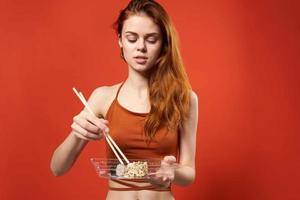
point(120, 41)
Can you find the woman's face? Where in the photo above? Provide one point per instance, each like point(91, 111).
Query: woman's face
point(141, 42)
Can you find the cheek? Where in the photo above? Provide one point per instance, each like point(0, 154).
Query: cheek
point(128, 49)
point(155, 51)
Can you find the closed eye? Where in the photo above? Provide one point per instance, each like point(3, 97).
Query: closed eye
point(132, 39)
point(152, 39)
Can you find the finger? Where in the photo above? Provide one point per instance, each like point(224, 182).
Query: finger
point(105, 121)
point(155, 175)
point(80, 136)
point(85, 124)
point(85, 133)
point(100, 123)
point(164, 165)
point(160, 180)
point(165, 174)
point(170, 175)
point(170, 159)
point(156, 180)
point(164, 179)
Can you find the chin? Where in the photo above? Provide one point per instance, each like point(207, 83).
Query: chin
point(140, 68)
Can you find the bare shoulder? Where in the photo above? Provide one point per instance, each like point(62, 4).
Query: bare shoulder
point(190, 125)
point(102, 97)
point(105, 91)
point(193, 111)
point(193, 99)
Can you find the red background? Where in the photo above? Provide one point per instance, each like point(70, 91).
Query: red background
point(242, 58)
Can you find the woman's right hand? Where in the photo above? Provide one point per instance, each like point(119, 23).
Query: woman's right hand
point(88, 127)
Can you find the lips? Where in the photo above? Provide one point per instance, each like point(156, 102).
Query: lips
point(141, 59)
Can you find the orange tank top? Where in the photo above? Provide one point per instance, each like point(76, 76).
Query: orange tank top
point(127, 130)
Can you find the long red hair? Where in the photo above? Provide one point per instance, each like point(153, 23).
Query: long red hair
point(169, 88)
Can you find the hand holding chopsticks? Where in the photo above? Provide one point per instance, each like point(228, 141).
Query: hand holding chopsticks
point(108, 138)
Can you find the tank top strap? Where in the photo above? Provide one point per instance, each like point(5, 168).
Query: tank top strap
point(118, 91)
point(113, 103)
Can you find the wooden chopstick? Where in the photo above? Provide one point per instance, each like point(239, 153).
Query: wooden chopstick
point(119, 150)
point(108, 138)
point(82, 99)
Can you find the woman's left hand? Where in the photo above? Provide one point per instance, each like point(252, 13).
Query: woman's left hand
point(166, 173)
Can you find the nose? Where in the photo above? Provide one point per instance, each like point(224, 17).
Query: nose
point(141, 46)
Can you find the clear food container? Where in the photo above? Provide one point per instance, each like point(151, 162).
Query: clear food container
point(136, 169)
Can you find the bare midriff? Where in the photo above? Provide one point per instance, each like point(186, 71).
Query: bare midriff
point(130, 193)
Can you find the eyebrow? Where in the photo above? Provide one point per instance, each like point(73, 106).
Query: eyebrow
point(148, 34)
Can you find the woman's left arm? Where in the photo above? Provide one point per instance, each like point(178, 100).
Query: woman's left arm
point(185, 173)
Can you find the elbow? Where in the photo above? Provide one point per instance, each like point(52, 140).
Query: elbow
point(186, 178)
point(192, 177)
point(56, 172)
point(191, 180)
point(55, 169)
point(188, 181)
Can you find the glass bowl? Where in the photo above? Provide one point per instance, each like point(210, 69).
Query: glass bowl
point(137, 169)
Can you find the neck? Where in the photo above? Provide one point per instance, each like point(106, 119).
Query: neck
point(136, 80)
point(137, 83)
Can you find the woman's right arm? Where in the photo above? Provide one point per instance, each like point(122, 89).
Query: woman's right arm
point(85, 127)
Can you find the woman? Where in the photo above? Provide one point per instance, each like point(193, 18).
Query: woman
point(152, 114)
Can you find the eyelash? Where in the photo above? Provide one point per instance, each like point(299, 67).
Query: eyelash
point(131, 41)
point(150, 41)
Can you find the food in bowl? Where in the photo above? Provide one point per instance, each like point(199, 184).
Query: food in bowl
point(136, 169)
